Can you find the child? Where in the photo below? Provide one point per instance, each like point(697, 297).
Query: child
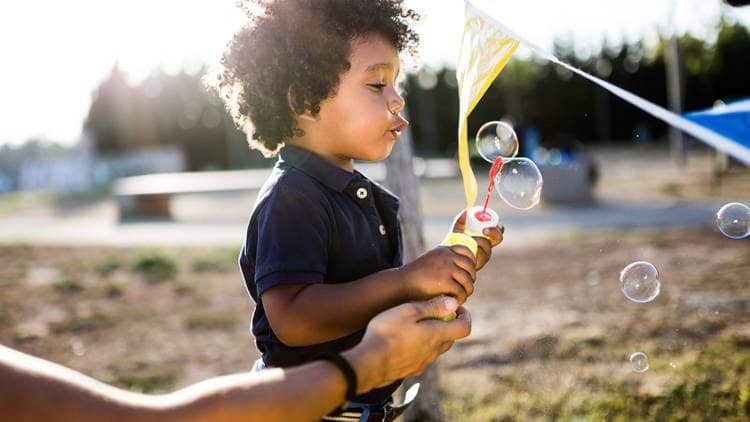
point(315, 81)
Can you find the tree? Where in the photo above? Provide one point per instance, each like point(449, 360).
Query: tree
point(401, 179)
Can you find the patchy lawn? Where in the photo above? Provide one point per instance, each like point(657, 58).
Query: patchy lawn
point(551, 340)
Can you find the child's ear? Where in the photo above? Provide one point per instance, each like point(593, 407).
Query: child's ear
point(306, 115)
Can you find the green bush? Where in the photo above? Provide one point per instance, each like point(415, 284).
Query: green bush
point(114, 290)
point(107, 266)
point(155, 266)
point(67, 285)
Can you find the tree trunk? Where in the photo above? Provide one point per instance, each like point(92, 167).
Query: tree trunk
point(675, 88)
point(400, 179)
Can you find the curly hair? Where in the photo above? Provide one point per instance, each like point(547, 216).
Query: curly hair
point(289, 56)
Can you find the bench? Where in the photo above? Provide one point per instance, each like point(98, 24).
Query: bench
point(149, 196)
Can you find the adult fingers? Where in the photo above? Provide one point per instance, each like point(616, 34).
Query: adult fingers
point(435, 308)
point(443, 331)
point(445, 347)
point(463, 313)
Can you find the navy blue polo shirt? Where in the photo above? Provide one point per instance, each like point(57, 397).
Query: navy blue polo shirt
point(313, 223)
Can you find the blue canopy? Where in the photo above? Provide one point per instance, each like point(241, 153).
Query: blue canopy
point(731, 120)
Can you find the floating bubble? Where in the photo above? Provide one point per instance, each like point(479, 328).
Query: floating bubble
point(639, 282)
point(733, 220)
point(496, 139)
point(639, 362)
point(519, 183)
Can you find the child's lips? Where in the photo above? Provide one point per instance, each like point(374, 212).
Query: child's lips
point(398, 127)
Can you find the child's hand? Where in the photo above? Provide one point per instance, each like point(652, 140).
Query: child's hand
point(484, 250)
point(441, 271)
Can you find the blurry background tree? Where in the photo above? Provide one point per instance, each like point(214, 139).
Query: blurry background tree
point(176, 110)
point(167, 110)
point(563, 107)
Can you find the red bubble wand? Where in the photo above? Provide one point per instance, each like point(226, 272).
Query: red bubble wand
point(494, 171)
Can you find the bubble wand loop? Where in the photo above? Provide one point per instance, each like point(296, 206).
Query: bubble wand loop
point(494, 171)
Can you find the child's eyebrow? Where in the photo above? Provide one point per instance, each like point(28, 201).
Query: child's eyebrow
point(378, 66)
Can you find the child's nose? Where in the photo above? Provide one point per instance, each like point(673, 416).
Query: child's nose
point(396, 104)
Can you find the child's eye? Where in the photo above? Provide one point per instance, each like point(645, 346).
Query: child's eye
point(378, 87)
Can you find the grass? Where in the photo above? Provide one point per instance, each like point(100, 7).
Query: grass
point(716, 384)
point(145, 378)
point(712, 381)
point(67, 285)
point(114, 290)
point(155, 266)
point(107, 266)
point(10, 276)
point(85, 324)
point(671, 189)
point(14, 201)
point(5, 317)
point(183, 288)
point(220, 260)
point(210, 320)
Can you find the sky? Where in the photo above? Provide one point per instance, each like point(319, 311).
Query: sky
point(54, 54)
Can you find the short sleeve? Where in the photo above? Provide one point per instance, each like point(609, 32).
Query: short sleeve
point(292, 240)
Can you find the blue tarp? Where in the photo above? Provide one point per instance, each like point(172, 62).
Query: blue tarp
point(731, 120)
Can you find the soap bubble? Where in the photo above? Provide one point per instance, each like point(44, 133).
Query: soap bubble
point(519, 183)
point(733, 220)
point(496, 139)
point(639, 362)
point(639, 282)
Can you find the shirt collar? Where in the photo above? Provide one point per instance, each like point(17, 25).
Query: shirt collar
point(315, 166)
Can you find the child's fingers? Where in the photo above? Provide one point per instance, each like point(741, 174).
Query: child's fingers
point(483, 245)
point(466, 284)
point(465, 259)
point(495, 234)
point(459, 223)
point(482, 258)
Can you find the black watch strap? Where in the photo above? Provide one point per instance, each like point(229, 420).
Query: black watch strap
point(346, 369)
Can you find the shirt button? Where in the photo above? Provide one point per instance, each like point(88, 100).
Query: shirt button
point(382, 229)
point(361, 193)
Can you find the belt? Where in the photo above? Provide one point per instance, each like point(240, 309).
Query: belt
point(365, 413)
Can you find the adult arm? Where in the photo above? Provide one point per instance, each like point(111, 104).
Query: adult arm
point(398, 343)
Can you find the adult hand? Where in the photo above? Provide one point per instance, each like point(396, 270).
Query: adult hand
point(401, 342)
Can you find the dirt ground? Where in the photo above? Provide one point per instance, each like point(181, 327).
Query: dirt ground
point(552, 332)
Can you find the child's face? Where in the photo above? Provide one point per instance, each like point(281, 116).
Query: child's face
point(362, 120)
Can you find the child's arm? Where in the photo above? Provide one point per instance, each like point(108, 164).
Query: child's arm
point(305, 314)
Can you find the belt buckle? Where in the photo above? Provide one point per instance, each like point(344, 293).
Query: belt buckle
point(388, 413)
